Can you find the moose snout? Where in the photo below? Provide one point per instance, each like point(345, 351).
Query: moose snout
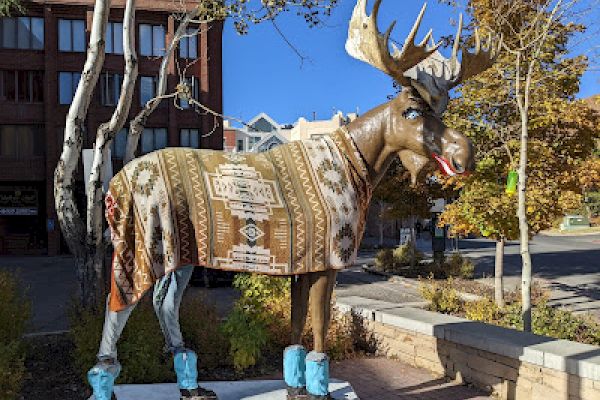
point(459, 151)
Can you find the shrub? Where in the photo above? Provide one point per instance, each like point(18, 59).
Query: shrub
point(484, 310)
point(403, 253)
point(546, 320)
point(258, 319)
point(14, 309)
point(247, 335)
point(261, 323)
point(384, 260)
point(396, 260)
point(141, 346)
point(12, 369)
point(201, 329)
point(563, 324)
point(458, 266)
point(14, 314)
point(142, 350)
point(442, 296)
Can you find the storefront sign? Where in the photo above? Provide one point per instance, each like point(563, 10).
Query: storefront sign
point(18, 200)
point(18, 211)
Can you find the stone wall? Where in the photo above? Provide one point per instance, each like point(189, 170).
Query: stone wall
point(508, 363)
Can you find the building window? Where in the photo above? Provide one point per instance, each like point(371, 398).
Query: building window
point(119, 144)
point(114, 38)
point(153, 139)
point(240, 145)
point(152, 40)
point(194, 86)
point(21, 141)
point(148, 85)
point(110, 88)
point(67, 85)
point(71, 35)
point(22, 33)
point(189, 138)
point(22, 86)
point(188, 45)
point(252, 141)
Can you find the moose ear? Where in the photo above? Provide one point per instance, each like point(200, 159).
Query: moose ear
point(414, 163)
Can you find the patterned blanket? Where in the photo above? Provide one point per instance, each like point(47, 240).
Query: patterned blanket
point(298, 208)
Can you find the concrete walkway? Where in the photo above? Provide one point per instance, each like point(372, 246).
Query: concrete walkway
point(384, 379)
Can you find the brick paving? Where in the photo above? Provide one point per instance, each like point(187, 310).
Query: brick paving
point(384, 379)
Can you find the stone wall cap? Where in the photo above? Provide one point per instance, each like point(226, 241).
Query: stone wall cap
point(562, 355)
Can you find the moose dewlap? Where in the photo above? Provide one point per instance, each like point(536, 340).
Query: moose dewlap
point(298, 208)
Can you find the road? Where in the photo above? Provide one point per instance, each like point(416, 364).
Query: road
point(569, 266)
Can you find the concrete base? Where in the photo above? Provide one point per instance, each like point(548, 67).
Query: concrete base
point(243, 390)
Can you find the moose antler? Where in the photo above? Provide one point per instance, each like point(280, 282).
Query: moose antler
point(419, 66)
point(367, 44)
point(436, 75)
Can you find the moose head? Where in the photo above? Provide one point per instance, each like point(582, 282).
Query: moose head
point(410, 125)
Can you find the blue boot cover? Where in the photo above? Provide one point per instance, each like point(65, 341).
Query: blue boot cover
point(294, 366)
point(102, 380)
point(186, 369)
point(317, 373)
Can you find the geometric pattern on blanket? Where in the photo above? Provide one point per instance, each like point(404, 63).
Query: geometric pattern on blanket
point(295, 209)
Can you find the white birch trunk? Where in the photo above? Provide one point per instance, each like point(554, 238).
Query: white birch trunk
point(137, 125)
point(522, 95)
point(72, 225)
point(499, 273)
point(524, 227)
point(104, 137)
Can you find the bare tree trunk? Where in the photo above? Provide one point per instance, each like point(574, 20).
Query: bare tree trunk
point(139, 122)
point(72, 225)
point(413, 242)
point(499, 273)
point(381, 211)
point(104, 137)
point(524, 227)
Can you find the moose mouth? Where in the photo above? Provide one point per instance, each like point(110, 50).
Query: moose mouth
point(449, 168)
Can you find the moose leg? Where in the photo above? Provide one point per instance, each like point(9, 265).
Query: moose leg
point(294, 356)
point(317, 362)
point(103, 375)
point(168, 293)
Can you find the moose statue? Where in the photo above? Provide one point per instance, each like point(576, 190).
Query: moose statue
point(297, 210)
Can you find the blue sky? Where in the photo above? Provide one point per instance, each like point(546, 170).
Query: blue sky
point(262, 73)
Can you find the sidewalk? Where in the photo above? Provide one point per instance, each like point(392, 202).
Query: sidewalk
point(384, 379)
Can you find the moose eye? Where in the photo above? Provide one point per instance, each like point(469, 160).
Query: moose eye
point(412, 113)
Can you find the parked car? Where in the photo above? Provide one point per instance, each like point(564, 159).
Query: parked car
point(211, 277)
point(572, 222)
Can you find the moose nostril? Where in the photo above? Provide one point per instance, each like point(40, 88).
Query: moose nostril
point(458, 166)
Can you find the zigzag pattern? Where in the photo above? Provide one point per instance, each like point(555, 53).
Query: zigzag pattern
point(184, 225)
point(300, 246)
point(313, 199)
point(197, 189)
point(201, 213)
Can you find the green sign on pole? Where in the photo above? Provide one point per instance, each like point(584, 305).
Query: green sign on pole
point(511, 182)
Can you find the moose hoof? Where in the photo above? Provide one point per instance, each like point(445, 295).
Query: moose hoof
point(316, 397)
point(297, 393)
point(198, 394)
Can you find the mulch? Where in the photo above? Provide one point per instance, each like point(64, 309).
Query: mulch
point(52, 374)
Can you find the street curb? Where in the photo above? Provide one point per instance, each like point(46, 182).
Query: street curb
point(414, 283)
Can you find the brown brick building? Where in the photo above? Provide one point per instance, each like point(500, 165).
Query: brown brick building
point(41, 55)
